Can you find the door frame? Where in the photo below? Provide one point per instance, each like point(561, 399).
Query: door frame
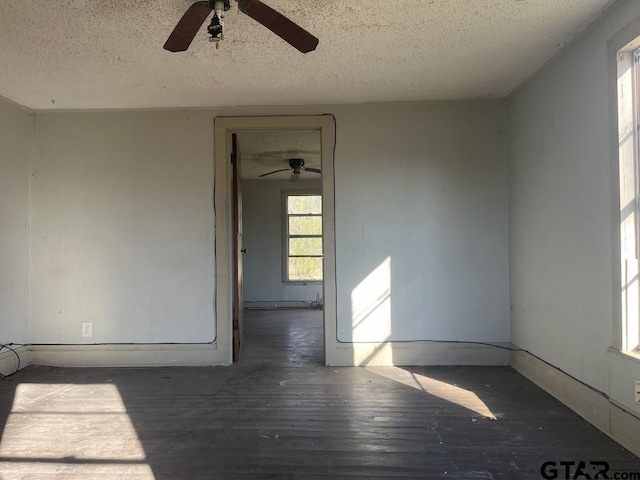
point(237, 318)
point(223, 202)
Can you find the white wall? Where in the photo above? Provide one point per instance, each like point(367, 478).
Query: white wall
point(262, 237)
point(421, 220)
point(122, 227)
point(123, 223)
point(15, 137)
point(562, 208)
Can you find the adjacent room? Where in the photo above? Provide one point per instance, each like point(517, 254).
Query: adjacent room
point(369, 240)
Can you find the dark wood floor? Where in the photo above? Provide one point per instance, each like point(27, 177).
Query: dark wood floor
point(280, 414)
point(283, 338)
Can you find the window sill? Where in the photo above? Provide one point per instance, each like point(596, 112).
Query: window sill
point(633, 356)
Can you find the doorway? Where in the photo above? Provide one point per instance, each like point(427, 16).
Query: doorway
point(228, 129)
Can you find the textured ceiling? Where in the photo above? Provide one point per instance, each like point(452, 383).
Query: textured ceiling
point(266, 151)
point(77, 54)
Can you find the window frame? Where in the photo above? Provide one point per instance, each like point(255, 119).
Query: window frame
point(285, 194)
point(626, 142)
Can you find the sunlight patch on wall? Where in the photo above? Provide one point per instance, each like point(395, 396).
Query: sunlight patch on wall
point(371, 306)
point(43, 436)
point(446, 391)
point(631, 306)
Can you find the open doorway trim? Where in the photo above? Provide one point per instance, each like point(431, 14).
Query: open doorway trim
point(223, 128)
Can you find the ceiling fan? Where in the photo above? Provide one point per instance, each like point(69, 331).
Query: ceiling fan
point(296, 165)
point(188, 26)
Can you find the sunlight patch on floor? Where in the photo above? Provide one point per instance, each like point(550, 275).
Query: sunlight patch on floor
point(71, 430)
point(446, 391)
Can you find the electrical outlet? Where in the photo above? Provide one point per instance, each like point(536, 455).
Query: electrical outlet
point(637, 392)
point(87, 329)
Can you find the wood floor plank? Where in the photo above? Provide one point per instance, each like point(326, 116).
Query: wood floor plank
point(279, 413)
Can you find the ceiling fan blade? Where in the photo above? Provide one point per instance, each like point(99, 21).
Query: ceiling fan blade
point(292, 33)
point(314, 170)
point(188, 26)
point(275, 171)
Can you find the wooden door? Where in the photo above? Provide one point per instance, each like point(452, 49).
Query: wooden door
point(238, 318)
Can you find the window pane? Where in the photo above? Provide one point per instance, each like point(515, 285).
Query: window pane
point(301, 204)
point(305, 225)
point(305, 246)
point(306, 268)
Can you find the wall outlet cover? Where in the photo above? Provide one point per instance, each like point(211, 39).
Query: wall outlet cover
point(637, 392)
point(87, 329)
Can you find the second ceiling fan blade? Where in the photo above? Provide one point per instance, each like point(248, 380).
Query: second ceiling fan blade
point(292, 33)
point(314, 170)
point(275, 171)
point(188, 26)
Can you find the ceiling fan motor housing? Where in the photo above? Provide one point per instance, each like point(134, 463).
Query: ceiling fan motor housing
point(296, 163)
point(227, 4)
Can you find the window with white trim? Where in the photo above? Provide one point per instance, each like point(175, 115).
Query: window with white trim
point(628, 142)
point(303, 254)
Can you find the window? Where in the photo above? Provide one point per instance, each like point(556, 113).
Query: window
point(303, 237)
point(628, 146)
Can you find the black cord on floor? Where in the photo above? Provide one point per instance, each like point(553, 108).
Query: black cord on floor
point(2, 347)
point(516, 349)
point(502, 347)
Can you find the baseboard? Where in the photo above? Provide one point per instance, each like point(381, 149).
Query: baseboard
point(415, 353)
point(9, 362)
point(274, 305)
point(612, 419)
point(127, 355)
